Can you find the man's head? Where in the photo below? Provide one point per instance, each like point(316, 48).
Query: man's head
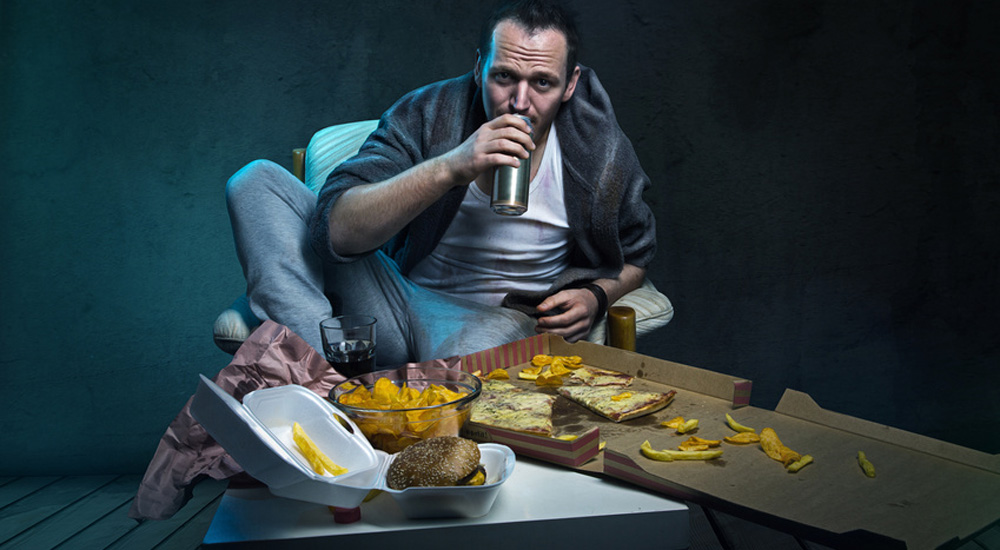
point(526, 62)
point(533, 16)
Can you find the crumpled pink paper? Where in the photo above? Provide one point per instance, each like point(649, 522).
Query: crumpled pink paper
point(272, 356)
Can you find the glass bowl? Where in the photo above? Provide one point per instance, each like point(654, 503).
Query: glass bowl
point(391, 427)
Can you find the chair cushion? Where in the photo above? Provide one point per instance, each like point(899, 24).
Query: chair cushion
point(331, 146)
point(652, 311)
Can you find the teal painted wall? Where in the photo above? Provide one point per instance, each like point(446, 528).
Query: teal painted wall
point(826, 184)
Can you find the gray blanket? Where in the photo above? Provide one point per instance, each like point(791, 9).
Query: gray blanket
point(610, 223)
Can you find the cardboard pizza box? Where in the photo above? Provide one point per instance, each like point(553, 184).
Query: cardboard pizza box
point(926, 493)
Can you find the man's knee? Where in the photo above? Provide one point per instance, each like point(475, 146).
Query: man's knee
point(254, 178)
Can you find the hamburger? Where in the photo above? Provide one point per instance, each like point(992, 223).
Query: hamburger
point(437, 462)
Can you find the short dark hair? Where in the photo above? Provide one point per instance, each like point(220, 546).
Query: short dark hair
point(534, 15)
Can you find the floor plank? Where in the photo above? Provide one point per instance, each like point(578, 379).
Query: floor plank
point(35, 507)
point(990, 539)
point(22, 487)
point(739, 534)
point(76, 517)
point(703, 535)
point(193, 531)
point(152, 533)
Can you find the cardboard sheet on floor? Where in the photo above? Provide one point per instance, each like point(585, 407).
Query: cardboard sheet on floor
point(927, 493)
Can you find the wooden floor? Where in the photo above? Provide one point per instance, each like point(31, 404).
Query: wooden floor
point(91, 512)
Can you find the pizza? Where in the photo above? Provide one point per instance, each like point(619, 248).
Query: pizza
point(616, 402)
point(593, 376)
point(504, 405)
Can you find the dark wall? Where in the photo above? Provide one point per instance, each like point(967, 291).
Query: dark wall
point(825, 181)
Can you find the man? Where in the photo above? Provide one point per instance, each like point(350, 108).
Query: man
point(402, 231)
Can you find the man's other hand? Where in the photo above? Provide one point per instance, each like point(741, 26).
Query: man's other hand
point(577, 309)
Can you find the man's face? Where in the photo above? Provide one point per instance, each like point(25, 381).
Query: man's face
point(525, 74)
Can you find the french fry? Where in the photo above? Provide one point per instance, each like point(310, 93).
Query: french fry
point(737, 426)
point(688, 426)
point(667, 455)
point(866, 464)
point(799, 464)
point(742, 438)
point(317, 459)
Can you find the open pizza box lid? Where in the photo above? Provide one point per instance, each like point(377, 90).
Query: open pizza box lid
point(258, 435)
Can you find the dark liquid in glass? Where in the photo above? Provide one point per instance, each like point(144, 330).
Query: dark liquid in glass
point(352, 357)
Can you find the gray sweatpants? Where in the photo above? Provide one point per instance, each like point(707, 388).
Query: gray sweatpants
point(287, 282)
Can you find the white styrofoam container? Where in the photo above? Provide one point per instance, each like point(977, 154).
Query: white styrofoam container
point(258, 435)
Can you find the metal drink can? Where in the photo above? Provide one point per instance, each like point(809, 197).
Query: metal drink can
point(510, 187)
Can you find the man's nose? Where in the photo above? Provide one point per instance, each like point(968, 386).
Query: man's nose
point(519, 99)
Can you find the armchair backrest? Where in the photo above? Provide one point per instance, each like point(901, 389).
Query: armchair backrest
point(331, 146)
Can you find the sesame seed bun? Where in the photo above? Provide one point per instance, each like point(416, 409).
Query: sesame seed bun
point(434, 462)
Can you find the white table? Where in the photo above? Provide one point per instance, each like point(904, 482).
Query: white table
point(541, 504)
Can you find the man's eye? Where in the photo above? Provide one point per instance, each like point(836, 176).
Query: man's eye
point(543, 83)
point(502, 75)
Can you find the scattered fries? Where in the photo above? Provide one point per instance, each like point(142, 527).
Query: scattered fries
point(866, 464)
point(695, 443)
point(737, 426)
point(669, 456)
point(742, 438)
point(682, 426)
point(799, 464)
point(317, 459)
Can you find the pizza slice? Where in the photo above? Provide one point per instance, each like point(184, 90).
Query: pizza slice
point(594, 376)
point(617, 403)
point(504, 405)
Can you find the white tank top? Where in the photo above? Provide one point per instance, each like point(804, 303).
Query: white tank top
point(483, 256)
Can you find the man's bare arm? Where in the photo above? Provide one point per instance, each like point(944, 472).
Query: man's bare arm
point(368, 215)
point(579, 306)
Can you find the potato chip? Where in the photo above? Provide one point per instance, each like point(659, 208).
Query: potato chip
point(688, 426)
point(529, 373)
point(498, 374)
point(673, 422)
point(548, 379)
point(541, 360)
point(775, 449)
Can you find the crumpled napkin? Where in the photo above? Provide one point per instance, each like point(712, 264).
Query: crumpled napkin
point(272, 356)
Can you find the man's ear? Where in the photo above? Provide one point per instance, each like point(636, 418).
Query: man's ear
point(571, 85)
point(478, 69)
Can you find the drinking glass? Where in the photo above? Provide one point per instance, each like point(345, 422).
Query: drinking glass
point(349, 343)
